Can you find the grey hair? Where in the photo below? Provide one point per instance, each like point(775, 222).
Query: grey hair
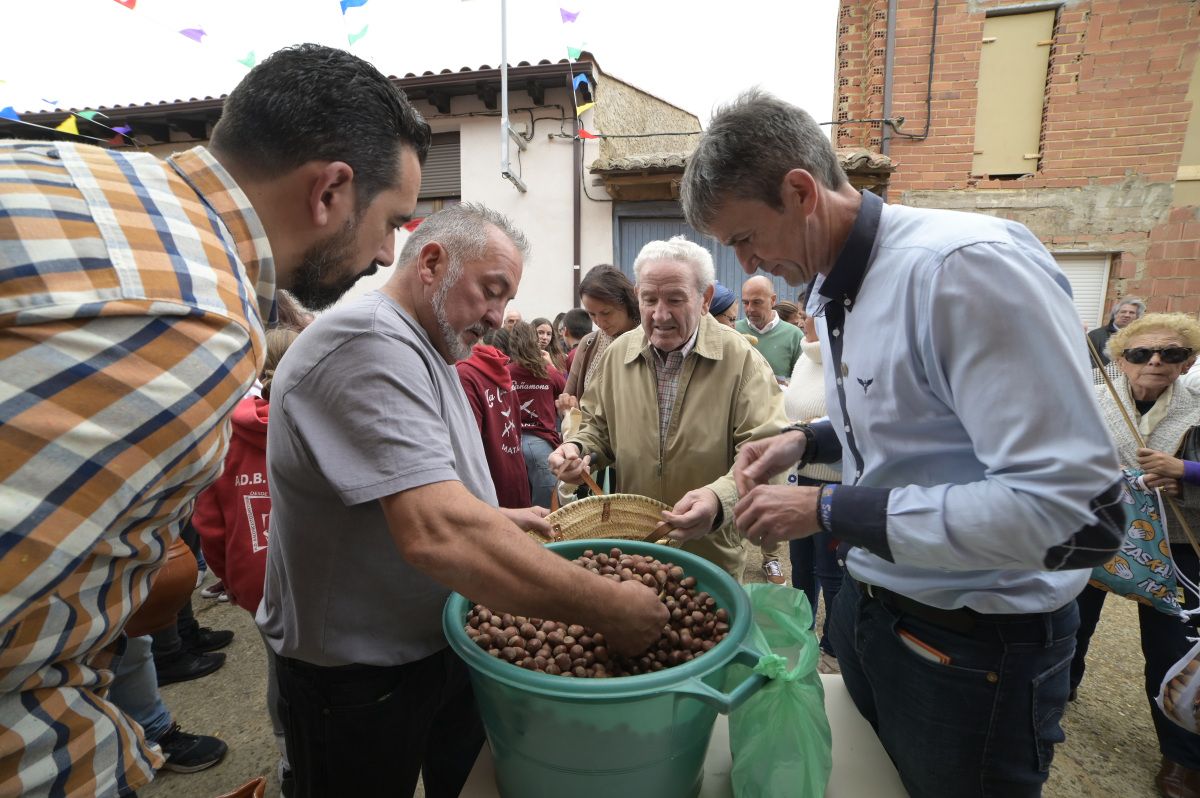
point(749, 146)
point(463, 230)
point(682, 250)
point(1136, 301)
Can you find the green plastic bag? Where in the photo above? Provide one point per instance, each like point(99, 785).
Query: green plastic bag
point(780, 737)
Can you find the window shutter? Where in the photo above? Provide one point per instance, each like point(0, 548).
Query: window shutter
point(441, 176)
point(1088, 276)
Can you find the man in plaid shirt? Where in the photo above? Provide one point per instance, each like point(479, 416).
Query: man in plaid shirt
point(133, 298)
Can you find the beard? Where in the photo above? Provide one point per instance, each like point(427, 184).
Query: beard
point(457, 349)
point(319, 281)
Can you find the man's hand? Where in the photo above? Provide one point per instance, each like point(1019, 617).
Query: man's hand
point(566, 464)
point(1160, 464)
point(758, 461)
point(693, 515)
point(770, 514)
point(530, 519)
point(565, 402)
point(641, 616)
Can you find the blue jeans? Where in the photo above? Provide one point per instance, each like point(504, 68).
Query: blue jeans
point(135, 689)
point(815, 565)
point(1164, 642)
point(984, 723)
point(537, 465)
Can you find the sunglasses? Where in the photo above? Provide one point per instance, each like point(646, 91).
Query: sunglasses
point(1169, 354)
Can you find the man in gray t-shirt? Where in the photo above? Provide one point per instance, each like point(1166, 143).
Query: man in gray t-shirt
point(382, 504)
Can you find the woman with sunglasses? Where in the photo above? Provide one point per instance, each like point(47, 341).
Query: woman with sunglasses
point(1151, 353)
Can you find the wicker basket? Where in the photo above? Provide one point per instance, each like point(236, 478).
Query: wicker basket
point(625, 516)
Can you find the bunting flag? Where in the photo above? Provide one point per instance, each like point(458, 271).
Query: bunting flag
point(68, 125)
point(124, 130)
point(116, 141)
point(8, 112)
point(49, 102)
point(352, 4)
point(573, 53)
point(586, 134)
point(580, 78)
point(128, 3)
point(195, 34)
point(413, 224)
point(90, 115)
point(567, 16)
point(579, 111)
point(353, 37)
point(249, 61)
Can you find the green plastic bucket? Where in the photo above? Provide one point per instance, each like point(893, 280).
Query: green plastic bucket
point(596, 738)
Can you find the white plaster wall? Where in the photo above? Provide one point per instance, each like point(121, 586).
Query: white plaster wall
point(544, 212)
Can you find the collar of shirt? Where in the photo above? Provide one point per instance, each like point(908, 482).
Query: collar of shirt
point(770, 325)
point(219, 191)
point(846, 276)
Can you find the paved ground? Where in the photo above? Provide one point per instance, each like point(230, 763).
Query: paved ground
point(1110, 748)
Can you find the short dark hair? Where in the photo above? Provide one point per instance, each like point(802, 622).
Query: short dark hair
point(315, 103)
point(749, 146)
point(609, 284)
point(577, 322)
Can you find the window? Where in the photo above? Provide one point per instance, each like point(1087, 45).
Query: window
point(1012, 93)
point(1088, 275)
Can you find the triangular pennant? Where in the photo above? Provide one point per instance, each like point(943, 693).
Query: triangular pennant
point(413, 224)
point(68, 125)
point(195, 34)
point(8, 112)
point(567, 16)
point(249, 61)
point(580, 78)
point(124, 130)
point(573, 53)
point(116, 141)
point(353, 37)
point(579, 111)
point(90, 115)
point(352, 4)
point(128, 3)
point(586, 134)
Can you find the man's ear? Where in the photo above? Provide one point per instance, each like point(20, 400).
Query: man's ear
point(707, 299)
point(432, 262)
point(331, 194)
point(799, 189)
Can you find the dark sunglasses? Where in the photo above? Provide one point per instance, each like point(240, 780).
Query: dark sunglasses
point(1169, 354)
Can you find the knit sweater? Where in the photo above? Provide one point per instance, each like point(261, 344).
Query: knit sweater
point(804, 400)
point(780, 346)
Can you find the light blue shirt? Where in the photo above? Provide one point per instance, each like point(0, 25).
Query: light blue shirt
point(977, 469)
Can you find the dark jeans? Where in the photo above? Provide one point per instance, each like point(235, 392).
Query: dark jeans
point(815, 566)
point(985, 722)
point(1164, 642)
point(366, 730)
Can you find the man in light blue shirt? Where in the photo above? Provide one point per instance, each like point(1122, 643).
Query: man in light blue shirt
point(979, 481)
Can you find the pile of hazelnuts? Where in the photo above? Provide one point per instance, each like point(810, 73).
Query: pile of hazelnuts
point(696, 625)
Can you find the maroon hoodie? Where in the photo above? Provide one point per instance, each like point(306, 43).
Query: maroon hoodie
point(232, 515)
point(498, 413)
point(538, 414)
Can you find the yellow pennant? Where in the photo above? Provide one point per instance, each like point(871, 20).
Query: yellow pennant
point(68, 126)
point(579, 111)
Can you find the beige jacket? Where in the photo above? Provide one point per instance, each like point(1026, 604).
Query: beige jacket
point(727, 396)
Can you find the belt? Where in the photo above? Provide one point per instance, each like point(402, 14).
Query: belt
point(962, 620)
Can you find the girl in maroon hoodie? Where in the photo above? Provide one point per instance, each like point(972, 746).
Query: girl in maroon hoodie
point(537, 384)
point(233, 514)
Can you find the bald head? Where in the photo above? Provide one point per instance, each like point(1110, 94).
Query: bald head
point(758, 301)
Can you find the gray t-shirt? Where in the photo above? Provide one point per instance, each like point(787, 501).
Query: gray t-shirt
point(362, 407)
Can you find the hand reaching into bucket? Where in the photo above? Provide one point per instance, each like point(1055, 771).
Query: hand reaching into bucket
point(638, 620)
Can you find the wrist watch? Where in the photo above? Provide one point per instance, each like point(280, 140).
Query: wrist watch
point(810, 437)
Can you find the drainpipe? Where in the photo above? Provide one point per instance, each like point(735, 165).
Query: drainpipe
point(576, 210)
point(885, 140)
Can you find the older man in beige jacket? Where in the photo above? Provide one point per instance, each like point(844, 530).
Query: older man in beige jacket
point(673, 403)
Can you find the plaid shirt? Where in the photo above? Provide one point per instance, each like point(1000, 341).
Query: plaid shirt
point(668, 366)
point(132, 292)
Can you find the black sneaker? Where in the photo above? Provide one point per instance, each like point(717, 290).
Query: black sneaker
point(187, 666)
point(205, 640)
point(188, 753)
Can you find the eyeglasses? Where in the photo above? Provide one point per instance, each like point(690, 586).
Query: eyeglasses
point(1169, 354)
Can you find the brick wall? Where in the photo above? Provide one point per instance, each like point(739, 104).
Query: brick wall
point(1114, 123)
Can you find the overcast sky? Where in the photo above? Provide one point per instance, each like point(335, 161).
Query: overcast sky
point(84, 53)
